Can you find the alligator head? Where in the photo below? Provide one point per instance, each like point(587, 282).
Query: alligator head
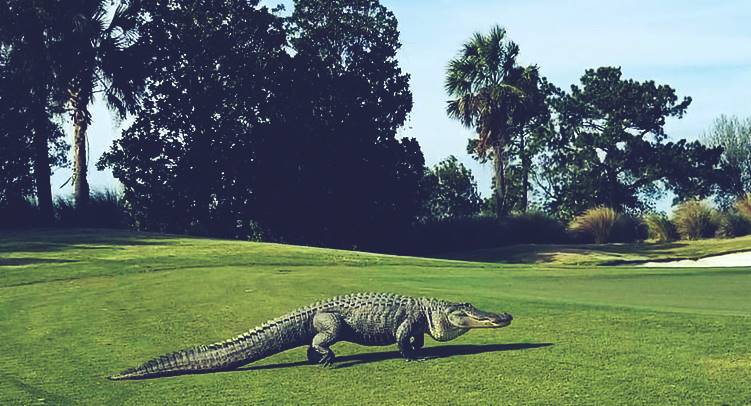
point(455, 319)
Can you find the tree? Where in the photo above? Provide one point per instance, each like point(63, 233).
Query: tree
point(98, 52)
point(235, 133)
point(450, 191)
point(190, 160)
point(348, 180)
point(500, 101)
point(733, 135)
point(610, 147)
point(32, 143)
point(16, 182)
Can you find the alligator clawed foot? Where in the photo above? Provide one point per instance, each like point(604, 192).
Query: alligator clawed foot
point(327, 360)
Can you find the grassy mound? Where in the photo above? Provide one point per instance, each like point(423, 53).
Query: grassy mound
point(78, 306)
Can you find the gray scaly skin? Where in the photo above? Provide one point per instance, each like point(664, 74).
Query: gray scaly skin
point(362, 318)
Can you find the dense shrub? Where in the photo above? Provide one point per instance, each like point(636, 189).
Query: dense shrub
point(482, 231)
point(456, 234)
point(106, 209)
point(23, 213)
point(660, 228)
point(628, 228)
point(732, 224)
point(535, 227)
point(695, 219)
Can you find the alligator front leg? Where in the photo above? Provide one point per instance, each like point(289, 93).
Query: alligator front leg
point(418, 340)
point(409, 339)
point(328, 327)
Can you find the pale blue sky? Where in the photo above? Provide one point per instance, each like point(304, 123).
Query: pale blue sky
point(701, 48)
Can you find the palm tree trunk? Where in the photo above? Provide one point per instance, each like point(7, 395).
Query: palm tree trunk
point(500, 182)
point(525, 174)
point(80, 178)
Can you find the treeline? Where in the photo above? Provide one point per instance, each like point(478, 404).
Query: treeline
point(249, 124)
point(245, 123)
point(600, 143)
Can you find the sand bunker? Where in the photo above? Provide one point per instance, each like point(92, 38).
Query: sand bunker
point(727, 260)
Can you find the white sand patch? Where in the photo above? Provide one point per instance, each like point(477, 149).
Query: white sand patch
point(727, 260)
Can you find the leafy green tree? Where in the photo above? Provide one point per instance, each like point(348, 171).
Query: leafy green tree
point(190, 161)
point(31, 143)
point(450, 191)
point(16, 159)
point(733, 135)
point(609, 147)
point(533, 126)
point(98, 52)
point(349, 181)
point(501, 101)
point(235, 133)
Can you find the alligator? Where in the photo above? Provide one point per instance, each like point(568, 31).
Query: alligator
point(373, 319)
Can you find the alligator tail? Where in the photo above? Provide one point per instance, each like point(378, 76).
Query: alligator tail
point(271, 338)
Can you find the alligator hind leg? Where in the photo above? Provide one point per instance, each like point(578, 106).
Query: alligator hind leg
point(410, 340)
point(328, 326)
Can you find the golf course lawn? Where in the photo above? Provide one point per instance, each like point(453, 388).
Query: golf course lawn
point(79, 305)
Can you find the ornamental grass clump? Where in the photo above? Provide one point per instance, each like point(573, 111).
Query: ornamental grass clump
point(595, 224)
point(695, 219)
point(743, 205)
point(660, 228)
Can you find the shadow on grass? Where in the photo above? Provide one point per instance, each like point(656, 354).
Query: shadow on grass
point(31, 261)
point(443, 351)
point(347, 361)
point(55, 240)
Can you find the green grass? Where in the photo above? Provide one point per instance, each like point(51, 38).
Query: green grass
point(78, 306)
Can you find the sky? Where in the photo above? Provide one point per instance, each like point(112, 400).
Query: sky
point(700, 48)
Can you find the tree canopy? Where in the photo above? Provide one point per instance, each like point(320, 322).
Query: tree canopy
point(346, 170)
point(733, 135)
point(450, 191)
point(187, 163)
point(236, 134)
point(31, 142)
point(610, 147)
point(253, 123)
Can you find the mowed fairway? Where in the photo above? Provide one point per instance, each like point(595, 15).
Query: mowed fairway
point(76, 306)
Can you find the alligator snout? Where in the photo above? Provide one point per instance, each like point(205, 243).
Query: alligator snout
point(506, 318)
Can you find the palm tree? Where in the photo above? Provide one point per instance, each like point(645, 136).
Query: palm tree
point(98, 52)
point(488, 91)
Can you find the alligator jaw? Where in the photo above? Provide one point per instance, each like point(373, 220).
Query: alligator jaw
point(467, 316)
